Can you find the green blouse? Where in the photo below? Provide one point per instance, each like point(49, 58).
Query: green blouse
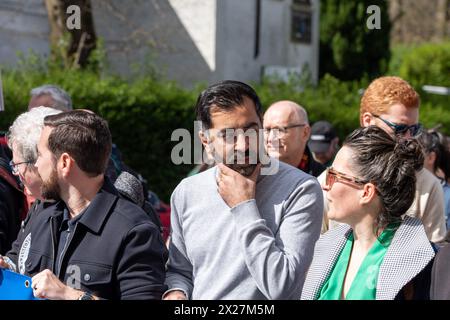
point(364, 285)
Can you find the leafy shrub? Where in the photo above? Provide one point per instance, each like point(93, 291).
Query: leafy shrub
point(143, 113)
point(348, 49)
point(427, 64)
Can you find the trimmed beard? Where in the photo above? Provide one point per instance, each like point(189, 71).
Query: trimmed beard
point(244, 169)
point(50, 188)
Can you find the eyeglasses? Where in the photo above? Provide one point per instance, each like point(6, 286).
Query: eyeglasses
point(15, 166)
point(281, 131)
point(402, 128)
point(332, 176)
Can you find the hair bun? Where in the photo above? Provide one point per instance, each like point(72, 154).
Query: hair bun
point(409, 150)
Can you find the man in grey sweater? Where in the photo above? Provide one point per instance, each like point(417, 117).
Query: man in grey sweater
point(237, 233)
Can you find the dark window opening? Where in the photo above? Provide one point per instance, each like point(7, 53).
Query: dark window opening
point(301, 21)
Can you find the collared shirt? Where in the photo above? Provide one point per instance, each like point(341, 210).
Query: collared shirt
point(309, 165)
point(65, 234)
point(364, 283)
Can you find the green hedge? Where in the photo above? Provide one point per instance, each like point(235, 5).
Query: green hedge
point(332, 100)
point(426, 64)
point(338, 102)
point(348, 49)
point(142, 113)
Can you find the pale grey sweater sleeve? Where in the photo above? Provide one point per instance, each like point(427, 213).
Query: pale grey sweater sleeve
point(278, 262)
point(179, 268)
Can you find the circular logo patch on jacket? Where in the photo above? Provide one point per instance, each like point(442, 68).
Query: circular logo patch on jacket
point(23, 253)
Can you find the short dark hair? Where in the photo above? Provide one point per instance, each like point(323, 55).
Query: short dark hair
point(84, 136)
point(224, 96)
point(390, 163)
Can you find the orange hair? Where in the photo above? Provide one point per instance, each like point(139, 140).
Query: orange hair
point(384, 92)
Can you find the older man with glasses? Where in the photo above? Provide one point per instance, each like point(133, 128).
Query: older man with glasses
point(286, 133)
point(22, 139)
point(393, 105)
point(15, 166)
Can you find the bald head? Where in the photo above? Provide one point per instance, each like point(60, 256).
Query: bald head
point(287, 110)
point(291, 122)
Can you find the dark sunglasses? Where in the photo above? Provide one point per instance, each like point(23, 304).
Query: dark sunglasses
point(414, 129)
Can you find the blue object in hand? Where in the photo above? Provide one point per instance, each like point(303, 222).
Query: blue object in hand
point(14, 286)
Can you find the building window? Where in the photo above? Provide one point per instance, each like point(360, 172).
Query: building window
point(301, 21)
point(301, 2)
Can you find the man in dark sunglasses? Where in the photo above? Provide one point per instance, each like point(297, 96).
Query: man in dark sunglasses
point(393, 105)
point(402, 129)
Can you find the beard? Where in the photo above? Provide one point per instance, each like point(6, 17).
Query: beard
point(244, 169)
point(50, 188)
point(235, 161)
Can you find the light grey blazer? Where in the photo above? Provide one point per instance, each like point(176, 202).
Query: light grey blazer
point(409, 253)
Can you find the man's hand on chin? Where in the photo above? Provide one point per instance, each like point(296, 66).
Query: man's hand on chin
point(235, 188)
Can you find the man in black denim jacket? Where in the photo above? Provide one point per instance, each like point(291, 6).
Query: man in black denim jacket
point(91, 243)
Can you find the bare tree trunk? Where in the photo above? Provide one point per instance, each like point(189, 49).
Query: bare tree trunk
point(441, 20)
point(81, 41)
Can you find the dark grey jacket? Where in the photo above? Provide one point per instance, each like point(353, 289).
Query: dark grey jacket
point(17, 256)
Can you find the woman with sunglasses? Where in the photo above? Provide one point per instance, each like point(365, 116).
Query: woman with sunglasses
point(376, 253)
